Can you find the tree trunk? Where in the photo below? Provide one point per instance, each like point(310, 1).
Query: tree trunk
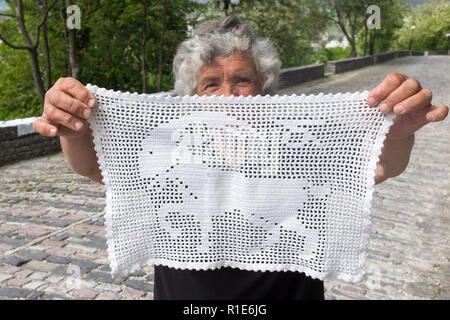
point(66, 36)
point(37, 73)
point(350, 39)
point(354, 53)
point(372, 42)
point(32, 49)
point(30, 45)
point(161, 43)
point(353, 35)
point(74, 68)
point(341, 23)
point(48, 66)
point(144, 42)
point(365, 39)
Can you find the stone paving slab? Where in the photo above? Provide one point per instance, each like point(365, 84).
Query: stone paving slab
point(409, 251)
point(52, 235)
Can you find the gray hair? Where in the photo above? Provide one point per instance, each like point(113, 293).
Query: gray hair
point(216, 38)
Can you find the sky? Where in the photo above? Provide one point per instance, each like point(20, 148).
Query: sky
point(3, 5)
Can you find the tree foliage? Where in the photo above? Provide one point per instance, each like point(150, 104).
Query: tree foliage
point(292, 25)
point(108, 48)
point(375, 41)
point(431, 21)
point(129, 44)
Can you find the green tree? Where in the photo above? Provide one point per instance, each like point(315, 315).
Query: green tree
point(375, 41)
point(109, 48)
point(21, 16)
point(110, 44)
point(431, 21)
point(18, 97)
point(351, 18)
point(292, 25)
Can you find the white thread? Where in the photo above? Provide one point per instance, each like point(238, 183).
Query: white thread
point(270, 183)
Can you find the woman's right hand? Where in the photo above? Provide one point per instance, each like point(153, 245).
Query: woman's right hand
point(67, 106)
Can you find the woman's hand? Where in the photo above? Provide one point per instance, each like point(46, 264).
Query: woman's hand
point(67, 106)
point(413, 107)
point(409, 101)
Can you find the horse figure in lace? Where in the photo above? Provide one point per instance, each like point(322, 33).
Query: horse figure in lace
point(215, 167)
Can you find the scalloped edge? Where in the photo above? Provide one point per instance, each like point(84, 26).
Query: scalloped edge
point(102, 165)
point(196, 98)
point(367, 207)
point(370, 182)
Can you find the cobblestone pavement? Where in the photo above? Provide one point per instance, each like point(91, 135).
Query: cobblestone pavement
point(409, 251)
point(52, 237)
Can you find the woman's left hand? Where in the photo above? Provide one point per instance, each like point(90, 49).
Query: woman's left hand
point(409, 101)
point(413, 107)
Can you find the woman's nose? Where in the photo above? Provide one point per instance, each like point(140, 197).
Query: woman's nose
point(226, 89)
point(229, 90)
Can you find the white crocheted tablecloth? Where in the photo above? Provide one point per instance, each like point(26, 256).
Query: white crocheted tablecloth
point(266, 183)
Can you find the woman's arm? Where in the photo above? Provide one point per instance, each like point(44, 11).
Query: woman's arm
point(67, 107)
point(394, 158)
point(81, 155)
point(413, 108)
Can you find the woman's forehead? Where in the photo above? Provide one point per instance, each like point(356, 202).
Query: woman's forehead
point(237, 62)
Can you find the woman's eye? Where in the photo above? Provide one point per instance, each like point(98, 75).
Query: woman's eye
point(210, 85)
point(243, 80)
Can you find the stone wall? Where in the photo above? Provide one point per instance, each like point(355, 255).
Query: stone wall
point(383, 57)
point(339, 66)
point(19, 141)
point(293, 76)
point(402, 53)
point(434, 52)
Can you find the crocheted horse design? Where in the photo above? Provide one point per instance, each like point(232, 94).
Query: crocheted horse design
point(213, 167)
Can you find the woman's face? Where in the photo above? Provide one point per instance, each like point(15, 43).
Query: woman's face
point(233, 75)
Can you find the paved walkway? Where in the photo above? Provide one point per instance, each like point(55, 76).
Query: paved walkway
point(409, 251)
point(52, 237)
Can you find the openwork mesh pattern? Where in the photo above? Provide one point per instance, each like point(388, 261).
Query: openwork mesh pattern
point(273, 183)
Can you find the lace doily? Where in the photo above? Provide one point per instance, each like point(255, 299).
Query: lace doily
point(270, 183)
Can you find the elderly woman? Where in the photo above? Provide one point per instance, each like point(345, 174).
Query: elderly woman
point(225, 58)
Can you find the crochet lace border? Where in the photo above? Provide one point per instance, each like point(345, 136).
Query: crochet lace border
point(370, 180)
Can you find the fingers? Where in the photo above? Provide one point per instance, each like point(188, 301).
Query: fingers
point(70, 95)
point(384, 89)
point(77, 90)
point(55, 121)
point(409, 96)
point(44, 127)
point(422, 99)
point(67, 103)
point(437, 113)
point(61, 117)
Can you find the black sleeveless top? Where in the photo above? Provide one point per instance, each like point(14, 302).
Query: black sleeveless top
point(234, 284)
